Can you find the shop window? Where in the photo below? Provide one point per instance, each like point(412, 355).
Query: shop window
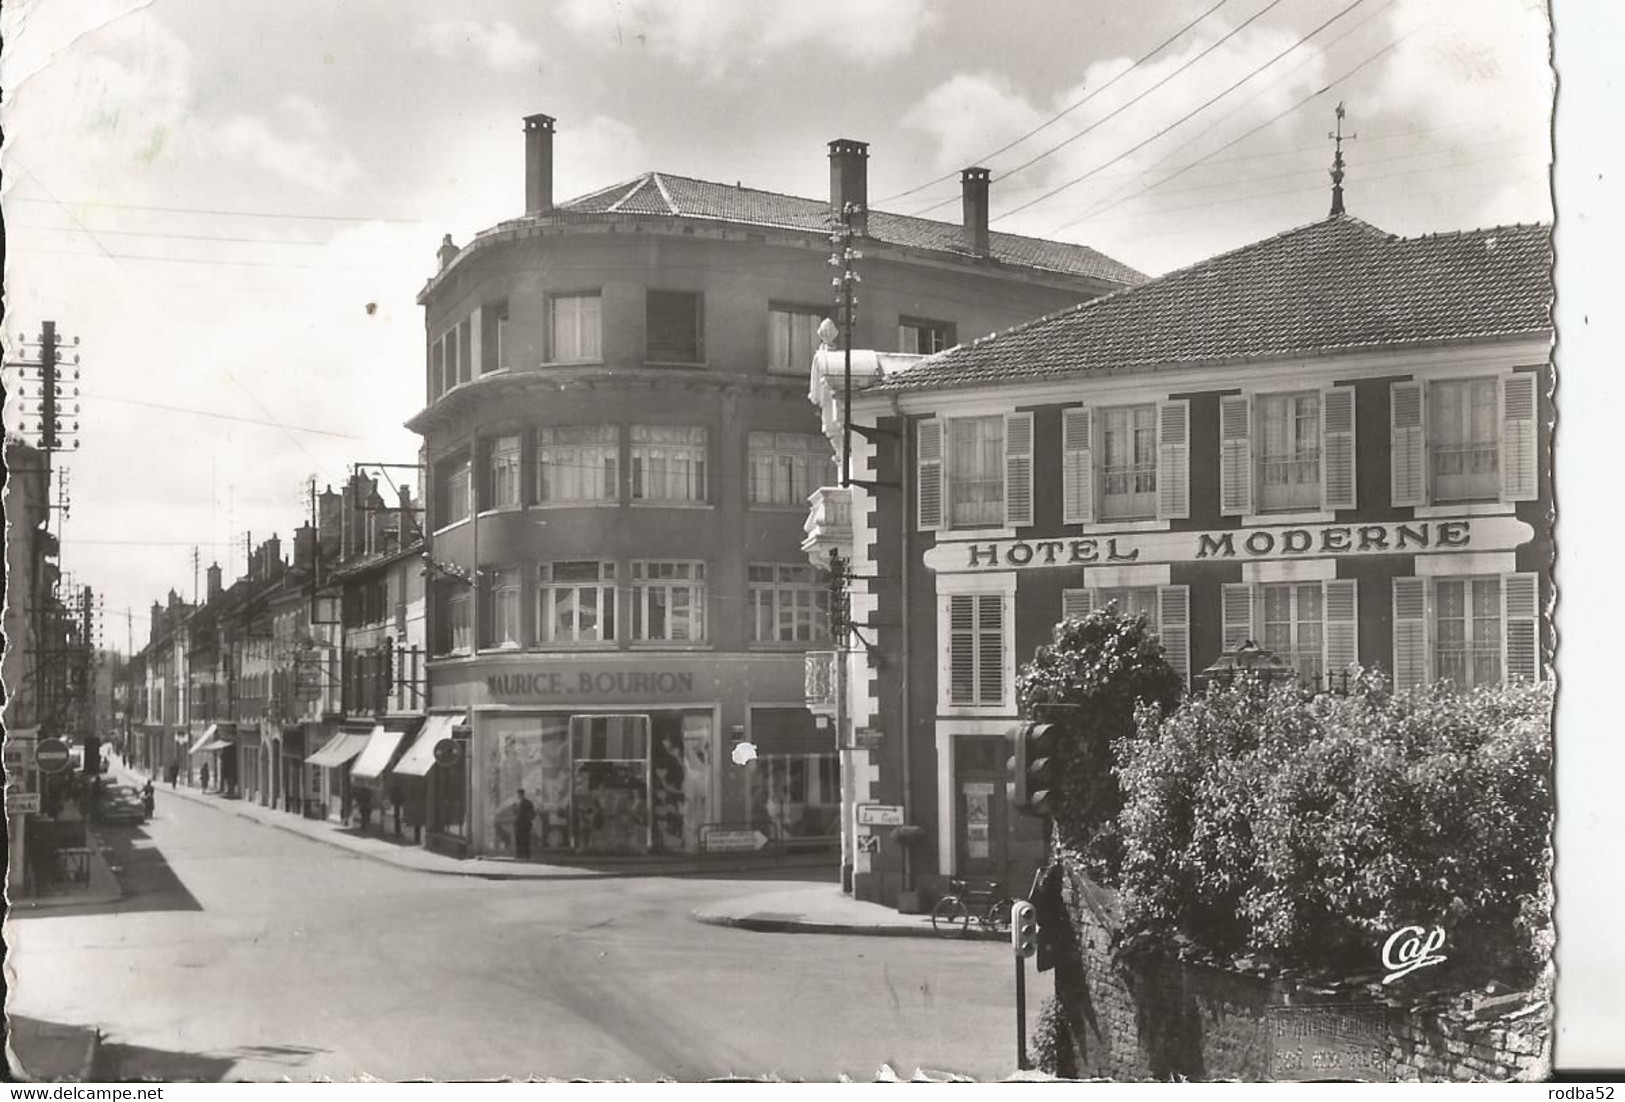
point(921, 336)
point(789, 603)
point(668, 601)
point(577, 463)
point(575, 327)
point(1289, 451)
point(575, 602)
point(792, 338)
point(786, 467)
point(669, 463)
point(502, 473)
point(675, 322)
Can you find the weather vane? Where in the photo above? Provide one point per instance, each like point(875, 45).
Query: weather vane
point(1337, 162)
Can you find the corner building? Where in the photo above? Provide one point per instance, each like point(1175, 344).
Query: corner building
point(1334, 443)
point(620, 455)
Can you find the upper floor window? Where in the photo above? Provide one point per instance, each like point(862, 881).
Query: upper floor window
point(976, 649)
point(668, 462)
point(1125, 462)
point(455, 629)
point(789, 603)
point(493, 337)
point(578, 463)
point(575, 329)
point(976, 472)
point(676, 324)
point(792, 338)
point(1287, 451)
point(786, 467)
point(1312, 625)
point(575, 602)
point(1128, 470)
point(1166, 609)
point(921, 336)
point(503, 590)
point(668, 601)
point(454, 491)
point(1471, 439)
point(437, 369)
point(502, 473)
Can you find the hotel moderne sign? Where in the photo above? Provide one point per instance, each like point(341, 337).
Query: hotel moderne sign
point(1309, 541)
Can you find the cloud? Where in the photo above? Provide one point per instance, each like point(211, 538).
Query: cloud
point(717, 38)
point(498, 43)
point(295, 142)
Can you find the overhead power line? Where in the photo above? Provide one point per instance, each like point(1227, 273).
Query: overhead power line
point(214, 211)
point(222, 416)
point(1141, 60)
point(1183, 118)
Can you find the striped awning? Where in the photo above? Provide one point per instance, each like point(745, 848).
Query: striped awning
point(374, 759)
point(419, 757)
point(216, 743)
point(339, 749)
point(208, 733)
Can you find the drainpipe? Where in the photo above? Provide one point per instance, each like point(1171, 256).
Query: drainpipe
point(903, 583)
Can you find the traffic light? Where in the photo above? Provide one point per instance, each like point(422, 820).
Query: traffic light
point(1023, 928)
point(1034, 769)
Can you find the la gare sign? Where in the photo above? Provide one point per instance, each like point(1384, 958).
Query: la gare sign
point(1310, 541)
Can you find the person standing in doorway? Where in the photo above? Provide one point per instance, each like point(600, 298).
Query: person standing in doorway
point(524, 815)
point(205, 776)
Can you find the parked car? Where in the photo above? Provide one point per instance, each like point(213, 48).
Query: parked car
point(119, 803)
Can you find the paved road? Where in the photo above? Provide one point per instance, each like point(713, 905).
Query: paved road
point(245, 952)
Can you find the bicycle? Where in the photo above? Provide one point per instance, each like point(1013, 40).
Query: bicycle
point(967, 899)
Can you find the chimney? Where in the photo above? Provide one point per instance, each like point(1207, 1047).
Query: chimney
point(849, 180)
point(973, 184)
point(447, 252)
point(304, 548)
point(329, 514)
point(272, 550)
point(538, 164)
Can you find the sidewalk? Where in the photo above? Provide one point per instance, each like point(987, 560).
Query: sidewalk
point(825, 909)
point(101, 888)
point(51, 1052)
point(405, 855)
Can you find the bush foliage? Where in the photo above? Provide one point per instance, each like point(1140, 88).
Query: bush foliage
point(1301, 831)
point(1102, 667)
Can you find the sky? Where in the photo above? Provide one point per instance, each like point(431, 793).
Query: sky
point(233, 207)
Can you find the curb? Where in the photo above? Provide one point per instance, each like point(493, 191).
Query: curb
point(766, 925)
point(480, 871)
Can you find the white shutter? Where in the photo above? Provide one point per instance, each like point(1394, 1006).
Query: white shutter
point(1174, 626)
point(1077, 467)
point(1410, 633)
point(1076, 603)
point(962, 649)
point(1337, 448)
point(1173, 459)
point(930, 475)
point(1235, 456)
point(990, 649)
point(1238, 615)
point(1018, 470)
point(1520, 480)
point(1408, 443)
point(1520, 597)
point(1342, 632)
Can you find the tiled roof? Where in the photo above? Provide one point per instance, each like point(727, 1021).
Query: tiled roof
point(659, 193)
point(1334, 285)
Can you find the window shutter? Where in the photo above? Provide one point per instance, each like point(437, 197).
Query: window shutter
point(1077, 467)
point(1520, 596)
point(1076, 603)
point(1337, 448)
point(962, 649)
point(1410, 633)
point(930, 475)
point(1018, 470)
point(1238, 615)
point(1235, 456)
point(1408, 443)
point(1342, 633)
point(990, 649)
point(1519, 434)
point(1173, 459)
point(1174, 626)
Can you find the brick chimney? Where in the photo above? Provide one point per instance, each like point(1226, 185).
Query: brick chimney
point(271, 549)
point(214, 580)
point(849, 179)
point(304, 548)
point(973, 183)
point(538, 164)
point(329, 520)
point(447, 252)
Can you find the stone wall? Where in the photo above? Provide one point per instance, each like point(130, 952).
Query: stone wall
point(1141, 1016)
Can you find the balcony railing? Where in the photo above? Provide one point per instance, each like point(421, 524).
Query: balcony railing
point(829, 524)
point(819, 686)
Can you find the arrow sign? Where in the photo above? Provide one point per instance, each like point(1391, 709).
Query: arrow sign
point(735, 841)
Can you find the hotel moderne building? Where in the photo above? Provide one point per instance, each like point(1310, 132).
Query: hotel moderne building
point(620, 454)
point(1333, 443)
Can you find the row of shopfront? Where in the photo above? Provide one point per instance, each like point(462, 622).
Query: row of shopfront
point(616, 754)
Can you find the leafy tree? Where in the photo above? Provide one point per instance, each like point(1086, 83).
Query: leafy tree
point(1099, 669)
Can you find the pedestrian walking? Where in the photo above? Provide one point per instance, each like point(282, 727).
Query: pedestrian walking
point(147, 800)
point(174, 774)
point(205, 776)
point(524, 815)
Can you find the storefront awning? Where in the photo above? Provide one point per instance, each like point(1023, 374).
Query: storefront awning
point(419, 757)
point(381, 746)
point(216, 743)
point(339, 749)
point(208, 733)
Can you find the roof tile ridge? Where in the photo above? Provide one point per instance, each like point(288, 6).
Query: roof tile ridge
point(600, 192)
point(660, 184)
point(736, 187)
point(636, 189)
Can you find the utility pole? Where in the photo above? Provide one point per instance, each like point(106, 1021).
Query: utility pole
point(844, 257)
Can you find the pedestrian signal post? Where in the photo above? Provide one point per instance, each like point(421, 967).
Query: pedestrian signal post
point(1024, 940)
